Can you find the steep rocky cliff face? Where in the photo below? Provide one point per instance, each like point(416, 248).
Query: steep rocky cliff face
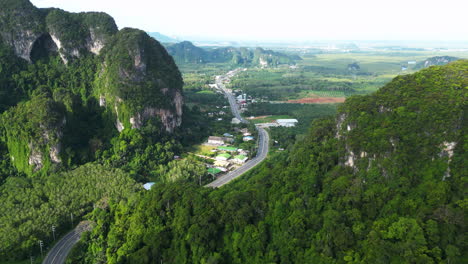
point(30, 30)
point(21, 24)
point(33, 133)
point(76, 34)
point(83, 56)
point(138, 80)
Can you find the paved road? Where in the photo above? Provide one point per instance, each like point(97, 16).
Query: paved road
point(263, 140)
point(231, 99)
point(58, 254)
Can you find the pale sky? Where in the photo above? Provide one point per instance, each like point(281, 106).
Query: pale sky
point(290, 20)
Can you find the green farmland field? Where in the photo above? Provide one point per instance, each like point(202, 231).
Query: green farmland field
point(328, 75)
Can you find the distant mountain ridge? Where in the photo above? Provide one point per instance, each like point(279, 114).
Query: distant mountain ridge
point(162, 38)
point(187, 52)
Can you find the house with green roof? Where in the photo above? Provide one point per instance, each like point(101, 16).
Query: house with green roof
point(240, 159)
point(213, 171)
point(229, 149)
point(223, 156)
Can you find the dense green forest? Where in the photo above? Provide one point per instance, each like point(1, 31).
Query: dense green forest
point(60, 148)
point(382, 182)
point(30, 207)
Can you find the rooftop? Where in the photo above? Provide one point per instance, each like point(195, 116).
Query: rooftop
point(286, 120)
point(214, 170)
point(148, 185)
point(240, 157)
point(227, 148)
point(220, 164)
point(215, 138)
point(224, 155)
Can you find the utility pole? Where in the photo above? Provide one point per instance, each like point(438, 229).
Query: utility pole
point(53, 231)
point(41, 245)
point(71, 217)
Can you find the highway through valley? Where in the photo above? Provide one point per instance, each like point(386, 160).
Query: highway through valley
point(263, 143)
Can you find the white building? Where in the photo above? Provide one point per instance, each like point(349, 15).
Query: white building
point(248, 138)
point(148, 185)
point(235, 121)
point(287, 122)
point(240, 159)
point(215, 140)
point(221, 164)
point(223, 157)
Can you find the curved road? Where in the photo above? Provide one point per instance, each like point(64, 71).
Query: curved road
point(263, 146)
point(58, 254)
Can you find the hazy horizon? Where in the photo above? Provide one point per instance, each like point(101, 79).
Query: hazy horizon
point(292, 21)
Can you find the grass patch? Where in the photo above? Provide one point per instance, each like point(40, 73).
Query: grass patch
point(205, 92)
point(307, 94)
point(204, 150)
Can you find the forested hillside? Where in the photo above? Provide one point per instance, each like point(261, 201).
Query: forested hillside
point(75, 81)
point(86, 112)
point(382, 182)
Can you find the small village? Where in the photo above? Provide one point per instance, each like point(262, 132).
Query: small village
point(224, 156)
point(233, 143)
point(233, 149)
